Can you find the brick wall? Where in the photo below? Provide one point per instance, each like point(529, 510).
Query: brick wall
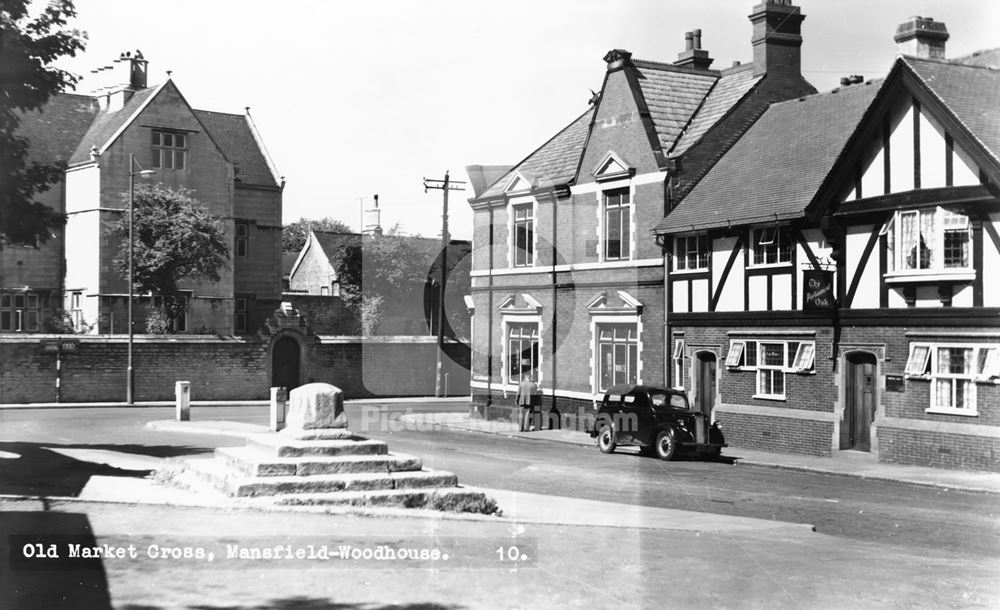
point(219, 369)
point(325, 315)
point(938, 449)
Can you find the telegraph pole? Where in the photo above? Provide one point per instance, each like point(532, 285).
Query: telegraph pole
point(444, 186)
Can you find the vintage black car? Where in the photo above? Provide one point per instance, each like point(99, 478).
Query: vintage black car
point(660, 421)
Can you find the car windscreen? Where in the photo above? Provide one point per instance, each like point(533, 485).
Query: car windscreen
point(661, 399)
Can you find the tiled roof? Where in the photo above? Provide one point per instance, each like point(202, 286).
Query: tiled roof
point(673, 95)
point(556, 161)
point(106, 124)
point(726, 93)
point(987, 58)
point(971, 93)
point(776, 168)
point(331, 243)
point(288, 262)
point(54, 130)
point(232, 134)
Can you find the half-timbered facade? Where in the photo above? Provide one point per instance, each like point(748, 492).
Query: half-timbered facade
point(567, 279)
point(829, 282)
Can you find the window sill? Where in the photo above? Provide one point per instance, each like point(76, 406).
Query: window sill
point(962, 412)
point(787, 264)
point(689, 271)
point(770, 397)
point(931, 275)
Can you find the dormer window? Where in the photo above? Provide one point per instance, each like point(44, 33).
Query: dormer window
point(169, 149)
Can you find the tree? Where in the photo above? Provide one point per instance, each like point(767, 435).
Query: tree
point(294, 235)
point(373, 270)
point(28, 47)
point(176, 237)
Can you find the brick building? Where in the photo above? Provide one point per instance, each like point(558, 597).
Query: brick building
point(567, 278)
point(828, 285)
point(413, 310)
point(216, 155)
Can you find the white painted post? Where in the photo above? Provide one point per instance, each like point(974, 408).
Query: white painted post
point(279, 399)
point(182, 395)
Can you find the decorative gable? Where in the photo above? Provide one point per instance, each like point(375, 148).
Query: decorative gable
point(912, 150)
point(526, 304)
point(627, 304)
point(519, 183)
point(612, 167)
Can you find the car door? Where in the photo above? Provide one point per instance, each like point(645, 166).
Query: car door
point(627, 423)
point(645, 419)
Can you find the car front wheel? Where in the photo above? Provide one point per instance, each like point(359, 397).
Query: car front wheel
point(665, 445)
point(606, 438)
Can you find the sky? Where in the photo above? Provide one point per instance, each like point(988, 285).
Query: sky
point(354, 99)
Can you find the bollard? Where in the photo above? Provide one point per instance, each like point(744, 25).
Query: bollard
point(182, 394)
point(279, 400)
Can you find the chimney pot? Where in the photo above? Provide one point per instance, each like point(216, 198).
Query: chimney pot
point(688, 41)
point(697, 39)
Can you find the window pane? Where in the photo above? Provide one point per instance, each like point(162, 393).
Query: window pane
point(613, 234)
point(168, 139)
point(773, 354)
point(179, 140)
point(735, 351)
point(633, 366)
point(750, 353)
point(5, 320)
point(179, 159)
point(956, 248)
point(607, 366)
point(32, 320)
point(18, 300)
point(5, 300)
point(917, 364)
point(33, 301)
point(621, 363)
point(626, 246)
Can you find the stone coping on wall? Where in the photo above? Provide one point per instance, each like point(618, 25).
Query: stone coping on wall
point(924, 425)
point(386, 339)
point(776, 412)
point(40, 338)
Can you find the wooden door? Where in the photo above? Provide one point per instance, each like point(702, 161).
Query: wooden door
point(859, 407)
point(706, 392)
point(285, 363)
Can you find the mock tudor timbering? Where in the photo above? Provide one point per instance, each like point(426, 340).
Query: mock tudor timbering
point(815, 274)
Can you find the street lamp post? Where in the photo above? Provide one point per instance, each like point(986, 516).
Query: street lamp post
point(132, 173)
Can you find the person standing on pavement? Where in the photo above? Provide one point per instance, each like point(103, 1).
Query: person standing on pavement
point(526, 391)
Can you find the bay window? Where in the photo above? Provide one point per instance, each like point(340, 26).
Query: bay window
point(928, 239)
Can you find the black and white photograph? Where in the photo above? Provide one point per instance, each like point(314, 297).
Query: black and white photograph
point(447, 305)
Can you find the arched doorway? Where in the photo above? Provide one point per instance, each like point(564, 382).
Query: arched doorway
point(859, 401)
point(285, 362)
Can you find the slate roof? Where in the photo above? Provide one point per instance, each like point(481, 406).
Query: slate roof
point(726, 93)
point(54, 130)
point(107, 123)
point(482, 176)
point(233, 135)
point(971, 93)
point(331, 242)
point(673, 95)
point(556, 161)
point(683, 104)
point(987, 58)
point(775, 169)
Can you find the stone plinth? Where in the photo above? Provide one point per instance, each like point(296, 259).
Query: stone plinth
point(315, 405)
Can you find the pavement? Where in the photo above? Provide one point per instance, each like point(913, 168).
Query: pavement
point(848, 463)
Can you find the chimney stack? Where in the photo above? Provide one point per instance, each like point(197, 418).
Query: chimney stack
point(113, 85)
point(693, 55)
point(777, 38)
point(921, 37)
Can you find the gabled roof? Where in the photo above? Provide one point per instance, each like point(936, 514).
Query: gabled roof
point(482, 176)
point(54, 131)
point(106, 124)
point(673, 96)
point(727, 92)
point(775, 169)
point(683, 104)
point(233, 135)
point(556, 161)
point(971, 93)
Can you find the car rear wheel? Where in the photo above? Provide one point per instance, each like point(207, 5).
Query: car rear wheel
point(665, 445)
point(606, 438)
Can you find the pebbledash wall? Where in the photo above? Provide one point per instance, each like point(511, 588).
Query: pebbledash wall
point(218, 368)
